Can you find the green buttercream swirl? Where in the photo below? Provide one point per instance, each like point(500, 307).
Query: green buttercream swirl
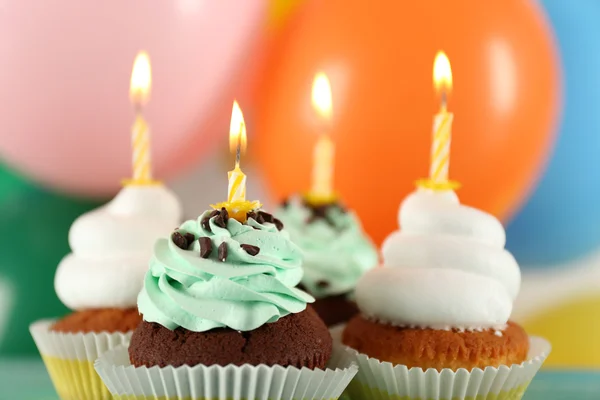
point(336, 253)
point(181, 289)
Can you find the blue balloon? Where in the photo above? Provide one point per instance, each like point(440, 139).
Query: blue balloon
point(561, 221)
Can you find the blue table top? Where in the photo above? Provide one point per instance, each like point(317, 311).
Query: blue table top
point(26, 379)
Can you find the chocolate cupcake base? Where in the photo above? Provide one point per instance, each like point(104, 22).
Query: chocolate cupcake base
point(335, 310)
point(299, 340)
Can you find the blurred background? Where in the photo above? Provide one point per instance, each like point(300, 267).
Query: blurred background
point(526, 134)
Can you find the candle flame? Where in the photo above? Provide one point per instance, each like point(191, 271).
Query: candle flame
point(321, 95)
point(237, 129)
point(141, 79)
point(442, 73)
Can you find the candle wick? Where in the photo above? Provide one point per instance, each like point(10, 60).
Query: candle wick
point(444, 101)
point(238, 152)
point(137, 108)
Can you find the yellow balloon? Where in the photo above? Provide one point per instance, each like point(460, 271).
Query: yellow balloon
point(280, 11)
point(573, 328)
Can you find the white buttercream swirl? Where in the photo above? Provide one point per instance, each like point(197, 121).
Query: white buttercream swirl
point(446, 268)
point(111, 247)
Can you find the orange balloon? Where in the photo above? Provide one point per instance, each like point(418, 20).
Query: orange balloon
point(379, 59)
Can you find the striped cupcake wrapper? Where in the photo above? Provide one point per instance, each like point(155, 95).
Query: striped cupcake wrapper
point(69, 359)
point(378, 380)
point(246, 382)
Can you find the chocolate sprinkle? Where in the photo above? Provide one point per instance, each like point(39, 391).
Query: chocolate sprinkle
point(285, 203)
point(265, 216)
point(321, 212)
point(252, 250)
point(222, 253)
point(261, 217)
point(222, 218)
point(205, 246)
point(190, 238)
point(179, 240)
point(322, 284)
point(278, 224)
point(258, 217)
point(205, 221)
point(219, 221)
point(225, 214)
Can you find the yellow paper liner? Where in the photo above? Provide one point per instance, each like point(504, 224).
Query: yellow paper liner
point(69, 359)
point(366, 392)
point(74, 379)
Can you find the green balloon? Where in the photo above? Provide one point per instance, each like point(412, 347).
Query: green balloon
point(34, 226)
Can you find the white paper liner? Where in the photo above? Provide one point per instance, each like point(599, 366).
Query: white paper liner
point(383, 380)
point(232, 382)
point(69, 359)
point(74, 346)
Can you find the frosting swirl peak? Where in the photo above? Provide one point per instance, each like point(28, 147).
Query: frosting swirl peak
point(247, 290)
point(446, 268)
point(111, 247)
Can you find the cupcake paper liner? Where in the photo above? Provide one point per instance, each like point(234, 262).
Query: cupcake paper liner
point(200, 382)
point(378, 380)
point(69, 359)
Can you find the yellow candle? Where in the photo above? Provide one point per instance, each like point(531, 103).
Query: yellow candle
point(324, 151)
point(322, 175)
point(140, 142)
point(139, 93)
point(236, 190)
point(442, 129)
point(237, 143)
point(440, 148)
point(237, 206)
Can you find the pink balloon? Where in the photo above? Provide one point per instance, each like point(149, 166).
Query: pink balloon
point(65, 115)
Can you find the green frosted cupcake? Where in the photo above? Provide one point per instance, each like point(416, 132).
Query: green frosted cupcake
point(336, 254)
point(222, 318)
point(220, 291)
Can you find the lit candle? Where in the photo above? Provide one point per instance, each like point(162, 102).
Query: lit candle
point(442, 129)
point(237, 144)
point(237, 206)
point(324, 151)
point(139, 93)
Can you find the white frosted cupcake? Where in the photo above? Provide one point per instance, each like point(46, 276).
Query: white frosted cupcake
point(100, 281)
point(434, 319)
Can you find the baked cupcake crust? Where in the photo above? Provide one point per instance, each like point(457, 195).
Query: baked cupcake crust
point(99, 320)
point(429, 348)
point(299, 340)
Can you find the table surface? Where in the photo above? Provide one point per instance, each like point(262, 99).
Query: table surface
point(26, 379)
